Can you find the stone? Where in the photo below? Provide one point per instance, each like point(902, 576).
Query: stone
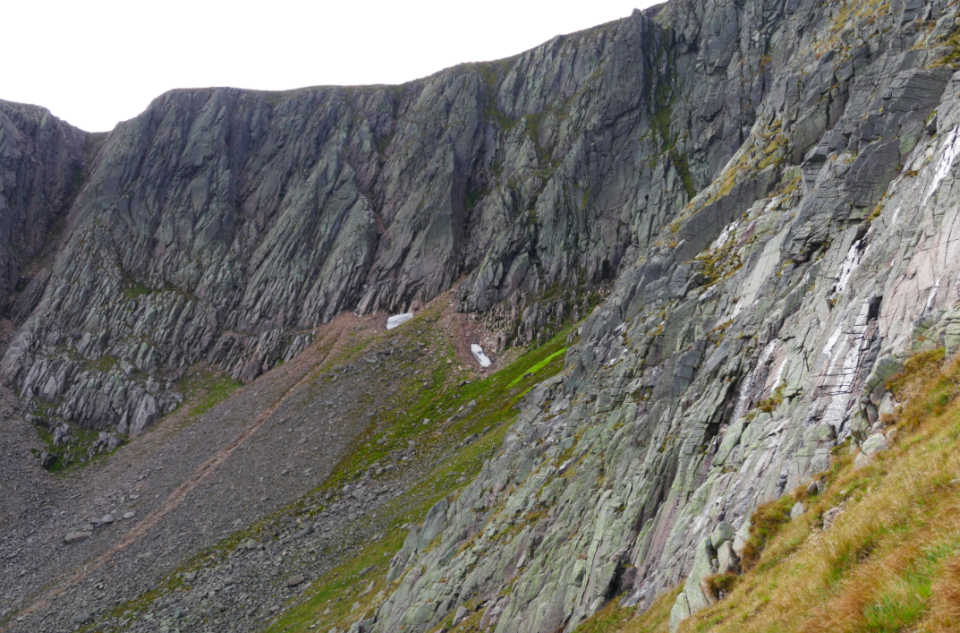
point(727, 560)
point(831, 515)
point(721, 534)
point(741, 537)
point(76, 537)
point(870, 447)
point(797, 510)
point(769, 270)
point(693, 598)
point(82, 618)
point(679, 612)
point(887, 408)
point(129, 515)
point(107, 519)
point(295, 580)
point(47, 460)
point(874, 444)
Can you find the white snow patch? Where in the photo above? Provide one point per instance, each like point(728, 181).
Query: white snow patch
point(950, 152)
point(828, 350)
point(478, 354)
point(778, 376)
point(398, 319)
point(840, 394)
point(840, 381)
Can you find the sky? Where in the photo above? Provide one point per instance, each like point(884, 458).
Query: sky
point(95, 63)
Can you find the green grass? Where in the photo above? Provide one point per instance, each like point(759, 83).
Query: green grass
point(75, 453)
point(442, 397)
point(613, 617)
point(216, 389)
point(767, 521)
point(890, 561)
point(497, 397)
point(539, 365)
point(440, 400)
point(134, 290)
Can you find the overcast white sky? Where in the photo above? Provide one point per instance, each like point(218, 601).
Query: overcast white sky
point(95, 63)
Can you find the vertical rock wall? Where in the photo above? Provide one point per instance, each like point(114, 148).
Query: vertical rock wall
point(225, 224)
point(749, 338)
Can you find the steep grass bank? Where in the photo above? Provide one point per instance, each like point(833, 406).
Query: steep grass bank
point(877, 551)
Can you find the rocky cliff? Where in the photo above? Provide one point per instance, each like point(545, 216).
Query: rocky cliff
point(224, 224)
point(765, 187)
point(748, 339)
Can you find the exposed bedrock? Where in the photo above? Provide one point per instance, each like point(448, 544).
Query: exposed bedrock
point(764, 193)
point(751, 336)
point(224, 224)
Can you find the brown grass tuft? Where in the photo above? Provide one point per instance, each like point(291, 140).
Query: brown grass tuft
point(720, 585)
point(765, 523)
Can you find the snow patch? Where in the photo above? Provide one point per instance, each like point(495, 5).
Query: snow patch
point(932, 297)
point(840, 393)
point(828, 350)
point(778, 376)
point(478, 354)
point(398, 319)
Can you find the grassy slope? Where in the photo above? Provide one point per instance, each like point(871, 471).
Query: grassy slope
point(350, 589)
point(891, 559)
point(436, 389)
point(889, 562)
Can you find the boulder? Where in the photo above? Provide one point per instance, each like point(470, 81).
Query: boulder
point(76, 537)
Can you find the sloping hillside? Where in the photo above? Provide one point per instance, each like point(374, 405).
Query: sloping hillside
point(872, 544)
point(746, 213)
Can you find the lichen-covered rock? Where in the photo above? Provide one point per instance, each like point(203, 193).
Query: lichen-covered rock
point(223, 225)
point(750, 337)
point(763, 194)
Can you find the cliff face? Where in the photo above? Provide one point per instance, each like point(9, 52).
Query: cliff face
point(41, 163)
point(224, 224)
point(770, 184)
point(749, 338)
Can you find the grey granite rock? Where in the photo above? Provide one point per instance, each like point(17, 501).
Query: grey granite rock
point(743, 344)
point(76, 537)
point(764, 201)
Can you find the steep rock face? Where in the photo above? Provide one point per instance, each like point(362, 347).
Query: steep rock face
point(41, 161)
point(224, 224)
point(746, 335)
point(749, 338)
